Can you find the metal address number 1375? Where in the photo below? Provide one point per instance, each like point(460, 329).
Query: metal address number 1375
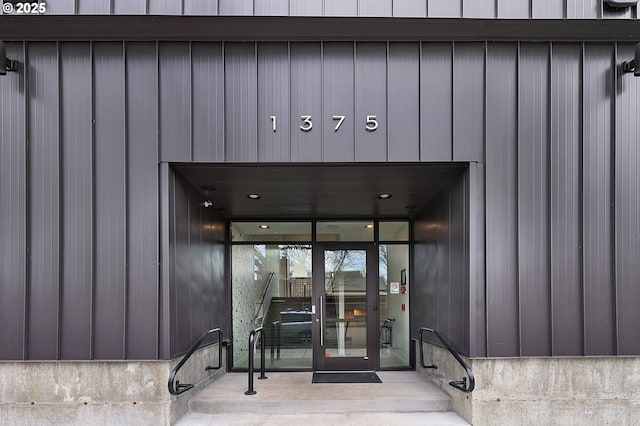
point(371, 124)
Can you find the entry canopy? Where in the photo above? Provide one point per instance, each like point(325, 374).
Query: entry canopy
point(320, 191)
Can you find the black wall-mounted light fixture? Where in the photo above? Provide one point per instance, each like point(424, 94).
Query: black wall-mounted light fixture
point(634, 64)
point(621, 4)
point(6, 64)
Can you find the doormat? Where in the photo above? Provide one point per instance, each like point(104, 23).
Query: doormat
point(359, 377)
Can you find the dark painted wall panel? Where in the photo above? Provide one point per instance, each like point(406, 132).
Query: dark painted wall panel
point(306, 8)
point(584, 9)
point(110, 202)
point(375, 8)
point(61, 7)
point(236, 7)
point(477, 265)
point(533, 200)
point(208, 102)
point(272, 7)
point(241, 106)
point(142, 201)
point(175, 101)
point(77, 200)
point(510, 9)
point(200, 7)
point(181, 267)
point(130, 7)
point(501, 200)
point(565, 201)
point(548, 9)
point(274, 94)
point(627, 217)
point(404, 101)
point(164, 7)
point(44, 191)
point(437, 108)
point(468, 101)
point(306, 100)
point(340, 8)
point(410, 8)
point(598, 286)
point(338, 100)
point(444, 8)
point(441, 300)
point(458, 309)
point(13, 206)
point(94, 7)
point(478, 8)
point(371, 99)
point(197, 257)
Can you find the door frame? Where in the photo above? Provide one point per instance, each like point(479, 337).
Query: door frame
point(370, 362)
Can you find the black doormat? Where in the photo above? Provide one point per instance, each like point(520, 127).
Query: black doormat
point(360, 377)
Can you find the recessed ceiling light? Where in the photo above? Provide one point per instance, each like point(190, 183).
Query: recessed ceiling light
point(369, 226)
point(264, 226)
point(254, 196)
point(384, 196)
point(207, 203)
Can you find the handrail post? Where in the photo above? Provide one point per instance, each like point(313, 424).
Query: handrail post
point(252, 339)
point(262, 357)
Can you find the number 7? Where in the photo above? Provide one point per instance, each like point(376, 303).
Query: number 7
point(340, 119)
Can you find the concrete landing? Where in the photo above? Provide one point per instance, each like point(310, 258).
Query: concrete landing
point(403, 398)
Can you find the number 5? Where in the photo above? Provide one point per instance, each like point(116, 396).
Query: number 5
point(372, 123)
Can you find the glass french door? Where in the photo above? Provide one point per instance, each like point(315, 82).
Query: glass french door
point(346, 317)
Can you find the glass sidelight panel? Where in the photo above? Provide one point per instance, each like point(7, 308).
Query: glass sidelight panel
point(271, 287)
point(394, 305)
point(344, 333)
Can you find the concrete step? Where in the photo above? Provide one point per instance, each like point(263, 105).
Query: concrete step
point(316, 419)
point(293, 393)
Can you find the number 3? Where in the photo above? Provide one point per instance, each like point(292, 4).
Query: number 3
point(308, 125)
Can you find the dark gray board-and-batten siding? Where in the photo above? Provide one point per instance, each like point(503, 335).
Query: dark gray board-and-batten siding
point(86, 129)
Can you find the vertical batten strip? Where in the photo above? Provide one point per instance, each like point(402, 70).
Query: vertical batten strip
point(612, 204)
point(517, 206)
point(581, 201)
point(28, 262)
point(127, 205)
point(548, 188)
point(61, 211)
point(93, 201)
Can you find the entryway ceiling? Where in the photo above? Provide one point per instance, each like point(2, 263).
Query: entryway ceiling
point(319, 191)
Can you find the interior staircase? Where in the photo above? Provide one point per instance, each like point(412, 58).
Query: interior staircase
point(284, 398)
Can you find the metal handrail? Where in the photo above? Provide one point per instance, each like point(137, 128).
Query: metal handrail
point(252, 339)
point(458, 384)
point(179, 388)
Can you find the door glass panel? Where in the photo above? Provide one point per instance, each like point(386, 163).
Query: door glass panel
point(394, 231)
point(270, 231)
point(271, 287)
point(345, 231)
point(345, 296)
point(394, 305)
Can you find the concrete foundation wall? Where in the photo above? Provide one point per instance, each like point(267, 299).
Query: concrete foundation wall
point(536, 391)
point(99, 393)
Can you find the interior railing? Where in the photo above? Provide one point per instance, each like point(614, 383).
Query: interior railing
point(458, 384)
point(175, 387)
point(258, 318)
point(252, 339)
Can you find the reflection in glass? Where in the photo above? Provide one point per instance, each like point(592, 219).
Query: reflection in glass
point(271, 287)
point(345, 312)
point(345, 231)
point(394, 320)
